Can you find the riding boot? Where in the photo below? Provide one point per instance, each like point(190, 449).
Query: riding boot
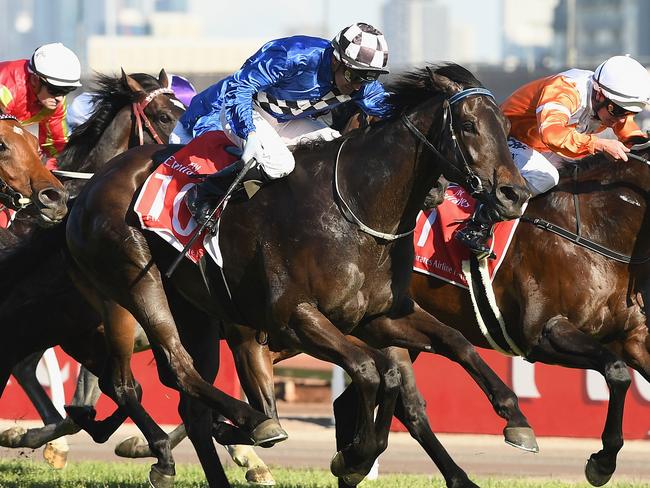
point(203, 197)
point(476, 233)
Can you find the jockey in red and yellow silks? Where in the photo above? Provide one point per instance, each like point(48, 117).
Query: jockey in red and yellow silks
point(33, 90)
point(556, 119)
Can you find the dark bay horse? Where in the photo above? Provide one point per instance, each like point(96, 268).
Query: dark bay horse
point(113, 127)
point(569, 305)
point(42, 297)
point(26, 186)
point(300, 271)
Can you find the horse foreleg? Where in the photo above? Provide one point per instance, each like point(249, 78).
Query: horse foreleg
point(562, 343)
point(411, 411)
point(415, 326)
point(25, 374)
point(321, 339)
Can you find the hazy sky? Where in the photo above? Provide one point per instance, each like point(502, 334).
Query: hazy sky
point(269, 19)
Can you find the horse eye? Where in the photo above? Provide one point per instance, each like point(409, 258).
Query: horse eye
point(165, 119)
point(3, 146)
point(468, 126)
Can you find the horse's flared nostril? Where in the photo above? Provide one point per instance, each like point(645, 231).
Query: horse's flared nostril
point(513, 195)
point(52, 196)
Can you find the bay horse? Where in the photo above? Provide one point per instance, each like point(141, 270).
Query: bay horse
point(26, 186)
point(599, 324)
point(271, 283)
point(129, 110)
point(124, 105)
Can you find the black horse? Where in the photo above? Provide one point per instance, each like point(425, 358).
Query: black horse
point(299, 263)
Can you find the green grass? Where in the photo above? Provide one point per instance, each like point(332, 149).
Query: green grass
point(29, 474)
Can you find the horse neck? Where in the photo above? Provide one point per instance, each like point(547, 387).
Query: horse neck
point(113, 141)
point(612, 200)
point(384, 175)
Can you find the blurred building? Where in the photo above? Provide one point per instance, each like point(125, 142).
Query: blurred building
point(417, 31)
point(527, 33)
point(589, 31)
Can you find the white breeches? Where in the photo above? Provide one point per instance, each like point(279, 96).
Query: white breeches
point(276, 137)
point(277, 160)
point(538, 169)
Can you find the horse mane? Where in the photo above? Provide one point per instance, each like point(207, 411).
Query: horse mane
point(598, 168)
point(111, 96)
point(412, 87)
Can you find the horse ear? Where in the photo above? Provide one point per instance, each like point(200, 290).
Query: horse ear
point(133, 85)
point(163, 79)
point(445, 84)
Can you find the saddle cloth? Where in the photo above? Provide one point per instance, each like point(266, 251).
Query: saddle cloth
point(438, 254)
point(161, 204)
point(7, 216)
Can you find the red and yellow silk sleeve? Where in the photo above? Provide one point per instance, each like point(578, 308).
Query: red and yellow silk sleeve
point(53, 132)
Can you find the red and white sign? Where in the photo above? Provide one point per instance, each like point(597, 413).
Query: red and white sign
point(161, 402)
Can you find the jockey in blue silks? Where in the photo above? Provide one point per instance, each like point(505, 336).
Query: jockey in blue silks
point(274, 100)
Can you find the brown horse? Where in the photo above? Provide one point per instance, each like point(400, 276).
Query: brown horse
point(25, 184)
point(271, 283)
point(573, 306)
point(112, 128)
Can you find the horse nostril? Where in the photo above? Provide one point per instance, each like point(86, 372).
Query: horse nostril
point(508, 193)
point(51, 196)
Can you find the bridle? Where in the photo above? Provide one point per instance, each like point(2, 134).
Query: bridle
point(466, 176)
point(8, 196)
point(142, 119)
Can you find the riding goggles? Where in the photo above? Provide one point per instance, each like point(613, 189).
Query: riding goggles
point(57, 91)
point(354, 76)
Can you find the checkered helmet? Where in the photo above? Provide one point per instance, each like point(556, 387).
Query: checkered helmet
point(361, 47)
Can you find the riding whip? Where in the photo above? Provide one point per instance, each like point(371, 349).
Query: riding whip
point(199, 230)
point(638, 158)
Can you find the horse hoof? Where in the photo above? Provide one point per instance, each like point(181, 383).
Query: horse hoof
point(521, 437)
point(260, 476)
point(133, 447)
point(54, 456)
point(12, 437)
point(595, 476)
point(160, 480)
point(353, 479)
point(268, 433)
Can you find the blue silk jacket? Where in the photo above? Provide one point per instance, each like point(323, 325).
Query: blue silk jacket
point(291, 72)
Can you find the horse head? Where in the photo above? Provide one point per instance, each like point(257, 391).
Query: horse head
point(472, 140)
point(25, 183)
point(157, 114)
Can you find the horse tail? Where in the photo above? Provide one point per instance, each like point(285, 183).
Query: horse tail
point(32, 256)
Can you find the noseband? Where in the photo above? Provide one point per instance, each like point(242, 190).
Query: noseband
point(466, 176)
point(142, 119)
point(8, 196)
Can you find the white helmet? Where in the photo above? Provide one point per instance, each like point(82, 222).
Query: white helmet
point(56, 64)
point(624, 81)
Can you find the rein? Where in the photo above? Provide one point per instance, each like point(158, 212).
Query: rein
point(471, 179)
point(576, 237)
point(466, 174)
point(8, 196)
point(142, 119)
